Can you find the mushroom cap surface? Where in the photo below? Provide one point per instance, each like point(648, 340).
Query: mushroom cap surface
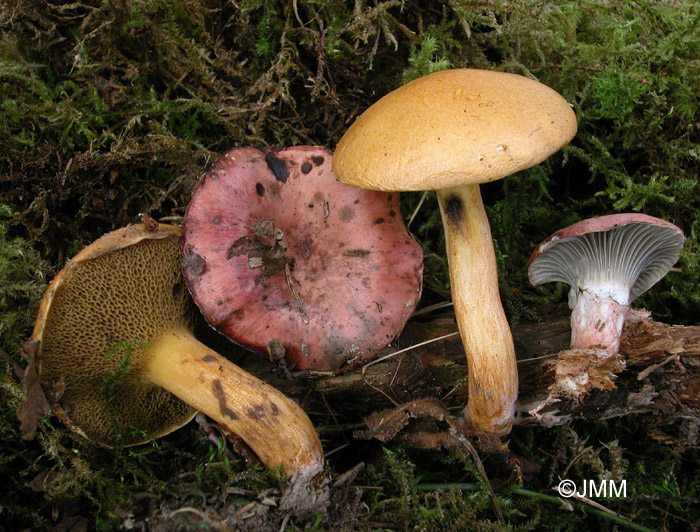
point(94, 325)
point(619, 255)
point(284, 259)
point(452, 128)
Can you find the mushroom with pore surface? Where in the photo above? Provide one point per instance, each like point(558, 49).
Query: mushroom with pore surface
point(450, 131)
point(285, 260)
point(114, 333)
point(608, 262)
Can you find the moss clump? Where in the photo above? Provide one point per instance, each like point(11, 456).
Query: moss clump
point(400, 502)
point(111, 109)
point(22, 283)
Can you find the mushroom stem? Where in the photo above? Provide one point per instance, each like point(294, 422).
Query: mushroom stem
point(597, 322)
point(485, 332)
point(271, 424)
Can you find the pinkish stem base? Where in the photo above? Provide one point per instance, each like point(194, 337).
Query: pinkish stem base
point(596, 322)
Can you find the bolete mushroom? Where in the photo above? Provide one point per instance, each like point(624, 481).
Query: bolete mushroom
point(287, 261)
point(608, 262)
point(450, 131)
point(117, 354)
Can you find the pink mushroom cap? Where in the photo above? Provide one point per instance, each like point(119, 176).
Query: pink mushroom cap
point(608, 262)
point(628, 249)
point(284, 259)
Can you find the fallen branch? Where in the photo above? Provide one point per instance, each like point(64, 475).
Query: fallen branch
point(661, 376)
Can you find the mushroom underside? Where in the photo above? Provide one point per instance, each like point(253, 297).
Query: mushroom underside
point(92, 345)
point(120, 364)
point(608, 262)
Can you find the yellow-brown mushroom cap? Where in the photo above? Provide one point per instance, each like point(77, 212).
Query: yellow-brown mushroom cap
point(96, 320)
point(453, 128)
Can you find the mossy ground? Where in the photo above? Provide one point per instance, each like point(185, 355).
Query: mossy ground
point(112, 109)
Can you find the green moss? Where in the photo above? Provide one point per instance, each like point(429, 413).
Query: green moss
point(22, 283)
point(108, 110)
point(424, 60)
point(399, 499)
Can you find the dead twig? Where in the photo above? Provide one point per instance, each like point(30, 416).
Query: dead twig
point(295, 294)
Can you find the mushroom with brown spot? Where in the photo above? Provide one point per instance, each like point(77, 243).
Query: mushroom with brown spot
point(450, 131)
point(115, 330)
point(285, 260)
point(608, 262)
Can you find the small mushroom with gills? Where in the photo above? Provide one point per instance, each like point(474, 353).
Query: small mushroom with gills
point(450, 131)
point(608, 262)
point(287, 261)
point(114, 333)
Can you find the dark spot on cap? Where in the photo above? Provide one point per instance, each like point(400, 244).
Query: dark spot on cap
point(209, 358)
point(306, 168)
point(310, 205)
point(392, 213)
point(356, 253)
point(273, 188)
point(255, 411)
point(221, 398)
point(454, 209)
point(304, 247)
point(318, 160)
point(357, 201)
point(216, 220)
point(192, 262)
point(389, 197)
point(379, 221)
point(213, 176)
point(277, 166)
point(347, 213)
point(274, 409)
point(260, 189)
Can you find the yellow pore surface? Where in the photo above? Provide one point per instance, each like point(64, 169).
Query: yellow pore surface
point(106, 312)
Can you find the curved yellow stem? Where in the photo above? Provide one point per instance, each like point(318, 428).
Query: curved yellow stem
point(270, 423)
point(486, 335)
